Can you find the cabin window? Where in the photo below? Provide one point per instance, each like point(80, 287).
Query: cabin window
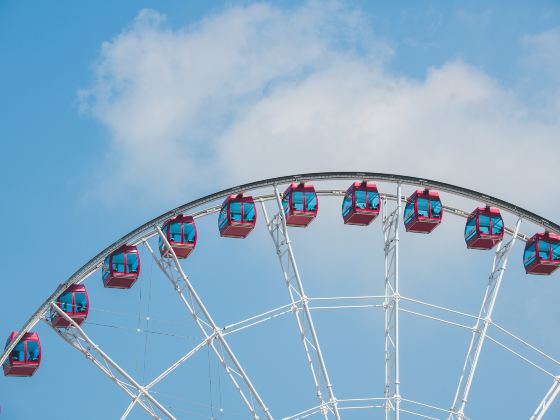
point(310, 201)
point(497, 225)
point(423, 207)
point(175, 232)
point(373, 200)
point(544, 250)
point(105, 269)
point(297, 200)
point(189, 232)
point(132, 263)
point(222, 220)
point(286, 203)
point(66, 302)
point(529, 255)
point(470, 228)
point(484, 224)
point(18, 353)
point(81, 302)
point(408, 212)
point(555, 250)
point(248, 213)
point(361, 199)
point(347, 205)
point(32, 351)
point(235, 212)
point(118, 262)
point(436, 208)
point(161, 241)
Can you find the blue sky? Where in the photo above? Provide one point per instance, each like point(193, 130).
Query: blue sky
point(113, 113)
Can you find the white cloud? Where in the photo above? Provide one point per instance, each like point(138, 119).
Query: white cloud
point(542, 64)
point(256, 91)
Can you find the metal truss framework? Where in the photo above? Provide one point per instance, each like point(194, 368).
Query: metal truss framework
point(78, 339)
point(172, 269)
point(392, 398)
point(166, 372)
point(278, 230)
point(391, 222)
point(481, 327)
point(547, 400)
point(141, 231)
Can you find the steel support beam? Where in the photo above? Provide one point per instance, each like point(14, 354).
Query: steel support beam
point(166, 372)
point(481, 327)
point(547, 400)
point(172, 269)
point(278, 230)
point(76, 337)
point(391, 222)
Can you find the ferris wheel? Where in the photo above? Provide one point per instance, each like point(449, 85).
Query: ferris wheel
point(278, 208)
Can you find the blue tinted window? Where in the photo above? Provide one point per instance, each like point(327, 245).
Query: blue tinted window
point(361, 200)
point(118, 262)
point(235, 212)
point(373, 200)
point(248, 212)
point(81, 302)
point(423, 207)
point(408, 213)
point(105, 269)
point(544, 249)
point(222, 220)
point(555, 250)
point(65, 301)
point(529, 255)
point(18, 353)
point(346, 205)
point(297, 201)
point(470, 228)
point(175, 232)
point(286, 203)
point(189, 232)
point(132, 263)
point(32, 351)
point(484, 224)
point(310, 201)
point(161, 242)
point(497, 225)
point(436, 208)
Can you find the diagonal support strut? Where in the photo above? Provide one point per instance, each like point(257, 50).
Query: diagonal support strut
point(93, 352)
point(481, 327)
point(172, 269)
point(278, 230)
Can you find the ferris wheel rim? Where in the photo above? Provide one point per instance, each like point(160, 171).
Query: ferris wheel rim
point(92, 265)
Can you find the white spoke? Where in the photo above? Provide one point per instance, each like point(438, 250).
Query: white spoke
point(93, 352)
point(260, 318)
point(543, 370)
point(443, 308)
point(515, 337)
point(445, 321)
point(481, 327)
point(391, 221)
point(278, 230)
point(547, 400)
point(172, 269)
